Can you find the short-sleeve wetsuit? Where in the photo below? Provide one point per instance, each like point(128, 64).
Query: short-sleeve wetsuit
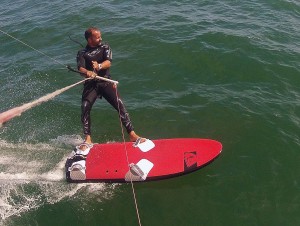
point(99, 88)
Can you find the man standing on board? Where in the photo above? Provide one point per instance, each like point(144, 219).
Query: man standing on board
point(95, 59)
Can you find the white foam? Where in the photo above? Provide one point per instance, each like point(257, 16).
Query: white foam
point(8, 177)
point(27, 185)
point(68, 140)
point(56, 174)
point(6, 160)
point(27, 146)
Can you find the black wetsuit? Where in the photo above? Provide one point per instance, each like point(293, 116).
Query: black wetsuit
point(99, 88)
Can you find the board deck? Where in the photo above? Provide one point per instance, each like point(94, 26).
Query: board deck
point(151, 160)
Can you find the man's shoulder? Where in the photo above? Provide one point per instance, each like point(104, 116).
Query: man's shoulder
point(105, 45)
point(82, 51)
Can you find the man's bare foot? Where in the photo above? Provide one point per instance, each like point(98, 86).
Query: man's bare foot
point(88, 139)
point(84, 146)
point(133, 137)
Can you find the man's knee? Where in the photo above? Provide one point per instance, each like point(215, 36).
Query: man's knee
point(86, 106)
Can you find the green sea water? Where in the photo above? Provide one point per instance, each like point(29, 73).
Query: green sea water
point(225, 70)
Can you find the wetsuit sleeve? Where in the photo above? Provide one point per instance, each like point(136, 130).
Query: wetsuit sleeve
point(80, 59)
point(107, 53)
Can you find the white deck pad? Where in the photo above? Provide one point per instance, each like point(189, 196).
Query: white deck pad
point(146, 146)
point(139, 171)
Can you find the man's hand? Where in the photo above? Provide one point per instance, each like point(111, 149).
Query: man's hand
point(95, 65)
point(91, 74)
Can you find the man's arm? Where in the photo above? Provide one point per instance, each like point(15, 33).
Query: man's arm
point(87, 73)
point(104, 65)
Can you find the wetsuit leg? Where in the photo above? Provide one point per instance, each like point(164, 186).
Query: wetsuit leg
point(112, 97)
point(89, 97)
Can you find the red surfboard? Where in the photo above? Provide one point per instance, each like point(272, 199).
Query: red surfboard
point(150, 160)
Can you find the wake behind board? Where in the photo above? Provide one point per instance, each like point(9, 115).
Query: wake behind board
point(150, 160)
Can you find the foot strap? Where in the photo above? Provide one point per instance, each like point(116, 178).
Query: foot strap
point(84, 152)
point(137, 142)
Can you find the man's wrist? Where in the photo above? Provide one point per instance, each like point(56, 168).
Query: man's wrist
point(99, 66)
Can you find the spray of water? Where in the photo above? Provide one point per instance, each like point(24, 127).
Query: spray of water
point(17, 111)
point(30, 183)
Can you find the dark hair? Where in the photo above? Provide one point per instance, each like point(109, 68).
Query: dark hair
point(89, 31)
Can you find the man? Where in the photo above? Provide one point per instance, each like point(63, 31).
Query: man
point(96, 59)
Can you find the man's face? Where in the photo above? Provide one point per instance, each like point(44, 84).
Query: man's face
point(95, 39)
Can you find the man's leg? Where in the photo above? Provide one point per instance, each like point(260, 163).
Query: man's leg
point(112, 97)
point(89, 97)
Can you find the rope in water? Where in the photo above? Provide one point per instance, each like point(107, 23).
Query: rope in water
point(127, 159)
point(32, 48)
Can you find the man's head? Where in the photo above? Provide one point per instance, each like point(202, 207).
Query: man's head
point(93, 36)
